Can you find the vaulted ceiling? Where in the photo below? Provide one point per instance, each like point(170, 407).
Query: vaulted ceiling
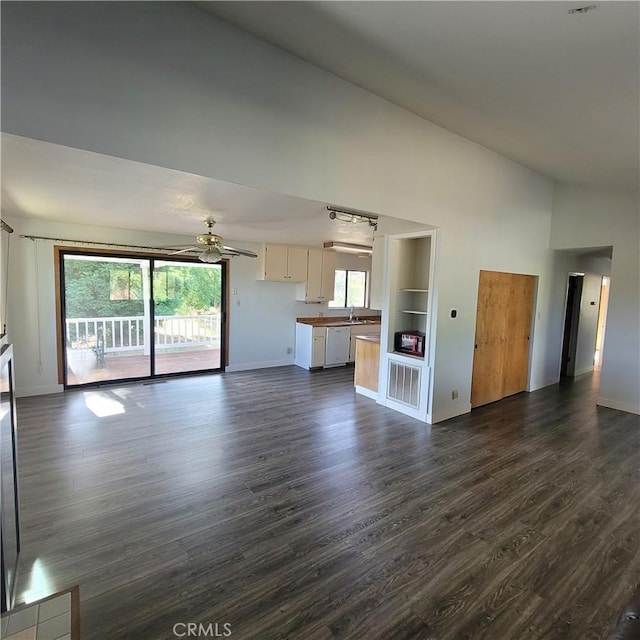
point(558, 92)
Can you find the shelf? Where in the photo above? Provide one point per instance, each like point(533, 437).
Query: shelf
point(416, 290)
point(418, 313)
point(407, 355)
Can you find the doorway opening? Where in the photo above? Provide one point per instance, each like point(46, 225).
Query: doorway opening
point(129, 317)
point(602, 320)
point(571, 324)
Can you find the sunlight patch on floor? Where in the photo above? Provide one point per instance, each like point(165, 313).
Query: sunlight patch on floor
point(40, 585)
point(101, 405)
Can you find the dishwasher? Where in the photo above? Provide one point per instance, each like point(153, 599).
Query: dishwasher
point(337, 346)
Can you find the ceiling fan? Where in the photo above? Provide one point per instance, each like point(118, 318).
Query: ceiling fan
point(211, 247)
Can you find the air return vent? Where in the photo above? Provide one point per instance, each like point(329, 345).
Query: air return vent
point(404, 384)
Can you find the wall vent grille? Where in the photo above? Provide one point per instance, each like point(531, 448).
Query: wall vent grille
point(404, 384)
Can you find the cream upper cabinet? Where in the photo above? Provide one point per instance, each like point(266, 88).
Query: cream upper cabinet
point(283, 263)
point(321, 274)
point(297, 263)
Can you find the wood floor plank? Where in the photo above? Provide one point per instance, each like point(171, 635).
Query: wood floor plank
point(282, 503)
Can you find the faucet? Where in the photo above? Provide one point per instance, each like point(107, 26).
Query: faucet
point(351, 314)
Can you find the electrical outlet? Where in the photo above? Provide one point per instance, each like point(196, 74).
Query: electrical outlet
point(320, 314)
point(234, 291)
point(237, 303)
point(289, 350)
point(454, 394)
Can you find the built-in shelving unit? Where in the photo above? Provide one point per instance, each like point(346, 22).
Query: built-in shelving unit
point(405, 379)
point(409, 284)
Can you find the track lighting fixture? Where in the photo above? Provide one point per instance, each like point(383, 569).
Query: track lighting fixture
point(345, 215)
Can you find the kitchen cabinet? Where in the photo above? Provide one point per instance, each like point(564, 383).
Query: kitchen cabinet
point(329, 346)
point(310, 346)
point(283, 263)
point(318, 348)
point(365, 377)
point(320, 280)
point(361, 330)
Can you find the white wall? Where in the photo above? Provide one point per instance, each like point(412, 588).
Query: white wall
point(597, 218)
point(164, 83)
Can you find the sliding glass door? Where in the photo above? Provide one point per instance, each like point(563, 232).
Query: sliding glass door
point(188, 316)
point(137, 317)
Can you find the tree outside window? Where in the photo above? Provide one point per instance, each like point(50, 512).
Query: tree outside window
point(350, 289)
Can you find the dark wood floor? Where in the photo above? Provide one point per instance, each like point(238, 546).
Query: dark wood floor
point(279, 502)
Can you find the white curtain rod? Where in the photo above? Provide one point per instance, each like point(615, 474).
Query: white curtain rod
point(102, 244)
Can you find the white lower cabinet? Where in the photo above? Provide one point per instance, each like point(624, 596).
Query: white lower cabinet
point(310, 346)
point(328, 346)
point(318, 347)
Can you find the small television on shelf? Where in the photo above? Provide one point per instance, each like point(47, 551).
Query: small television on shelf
point(410, 342)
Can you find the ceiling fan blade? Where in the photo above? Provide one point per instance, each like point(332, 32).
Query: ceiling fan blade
point(175, 253)
point(173, 246)
point(241, 252)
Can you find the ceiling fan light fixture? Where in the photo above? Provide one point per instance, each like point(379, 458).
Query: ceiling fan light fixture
point(210, 255)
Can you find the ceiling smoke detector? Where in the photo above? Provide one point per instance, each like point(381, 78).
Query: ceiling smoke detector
point(585, 9)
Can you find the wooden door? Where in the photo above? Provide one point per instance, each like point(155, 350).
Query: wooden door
point(486, 383)
point(503, 324)
point(515, 369)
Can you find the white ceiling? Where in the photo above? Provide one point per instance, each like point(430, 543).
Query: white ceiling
point(57, 183)
point(556, 92)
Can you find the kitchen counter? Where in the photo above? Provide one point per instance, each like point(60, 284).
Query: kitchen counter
point(372, 338)
point(339, 321)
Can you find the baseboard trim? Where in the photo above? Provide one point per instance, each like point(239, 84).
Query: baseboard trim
point(363, 391)
point(616, 404)
point(266, 364)
point(581, 372)
point(447, 414)
point(543, 385)
point(39, 391)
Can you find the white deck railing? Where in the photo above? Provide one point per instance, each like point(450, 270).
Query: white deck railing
point(128, 333)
